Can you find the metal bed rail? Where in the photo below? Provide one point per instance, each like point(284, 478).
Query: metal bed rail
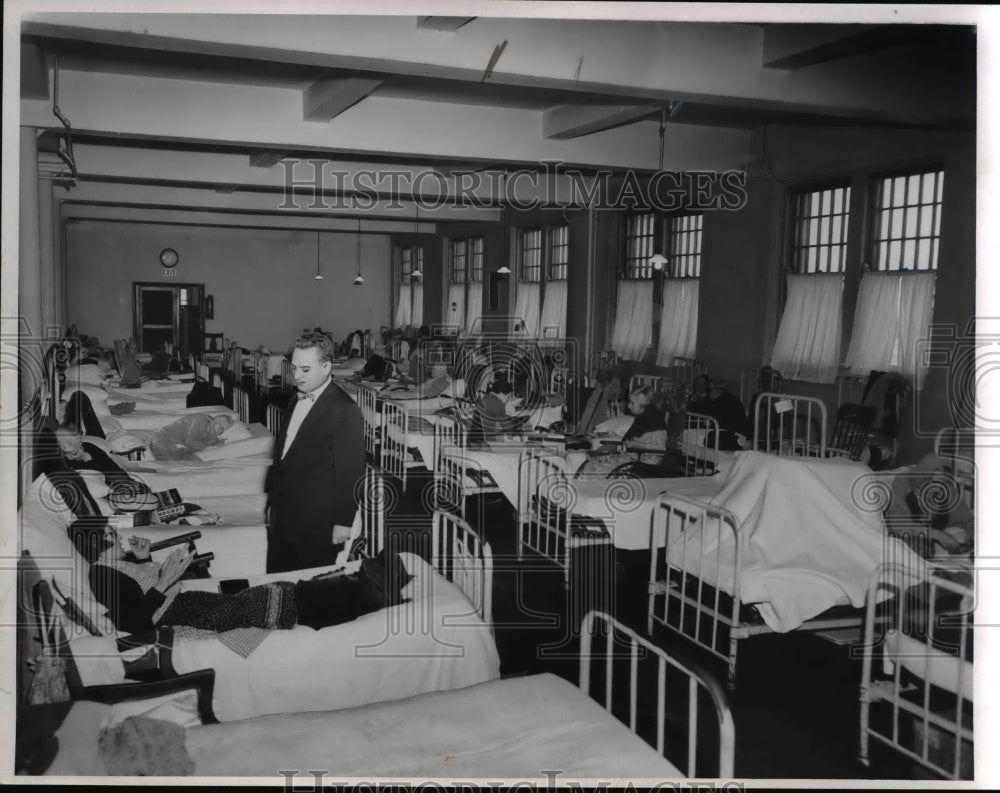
point(698, 682)
point(923, 689)
point(789, 426)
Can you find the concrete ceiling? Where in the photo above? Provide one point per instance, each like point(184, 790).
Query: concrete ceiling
point(226, 98)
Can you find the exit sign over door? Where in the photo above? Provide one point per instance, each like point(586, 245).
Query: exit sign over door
point(169, 272)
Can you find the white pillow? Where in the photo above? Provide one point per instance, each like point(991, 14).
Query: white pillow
point(110, 425)
point(84, 374)
point(180, 708)
point(125, 441)
point(95, 393)
point(456, 388)
point(236, 432)
point(617, 426)
point(695, 437)
point(100, 443)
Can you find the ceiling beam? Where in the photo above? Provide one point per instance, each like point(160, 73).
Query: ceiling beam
point(267, 159)
point(795, 46)
point(328, 97)
point(574, 121)
point(446, 24)
point(34, 72)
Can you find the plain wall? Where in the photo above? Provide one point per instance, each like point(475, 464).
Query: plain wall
point(261, 279)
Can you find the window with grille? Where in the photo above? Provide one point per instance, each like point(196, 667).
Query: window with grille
point(559, 253)
point(685, 246)
point(907, 223)
point(820, 242)
point(476, 259)
point(640, 244)
point(458, 256)
point(531, 255)
point(405, 264)
point(418, 256)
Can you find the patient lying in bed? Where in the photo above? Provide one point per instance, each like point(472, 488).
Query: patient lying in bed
point(141, 594)
point(189, 435)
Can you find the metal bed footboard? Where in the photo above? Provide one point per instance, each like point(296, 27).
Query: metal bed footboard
point(709, 463)
point(929, 708)
point(697, 682)
point(545, 510)
point(394, 455)
point(241, 403)
point(465, 559)
point(368, 402)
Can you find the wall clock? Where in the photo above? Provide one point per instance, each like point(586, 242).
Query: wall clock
point(169, 257)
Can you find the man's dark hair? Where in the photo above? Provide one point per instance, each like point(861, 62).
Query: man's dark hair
point(319, 340)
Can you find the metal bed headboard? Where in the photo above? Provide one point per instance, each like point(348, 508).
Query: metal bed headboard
point(957, 448)
point(685, 370)
point(698, 682)
point(755, 381)
point(465, 559)
point(850, 388)
point(789, 425)
point(696, 464)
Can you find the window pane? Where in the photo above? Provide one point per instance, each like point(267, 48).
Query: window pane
point(914, 217)
point(821, 230)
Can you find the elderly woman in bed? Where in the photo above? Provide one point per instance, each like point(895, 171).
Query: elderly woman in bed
point(189, 435)
point(141, 594)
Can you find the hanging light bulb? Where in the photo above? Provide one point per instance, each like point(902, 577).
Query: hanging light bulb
point(359, 280)
point(416, 222)
point(658, 260)
point(317, 277)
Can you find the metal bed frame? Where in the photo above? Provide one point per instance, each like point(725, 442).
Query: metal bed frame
point(545, 511)
point(777, 425)
point(368, 402)
point(394, 452)
point(707, 465)
point(927, 722)
point(698, 682)
point(451, 468)
point(750, 383)
point(685, 603)
point(241, 403)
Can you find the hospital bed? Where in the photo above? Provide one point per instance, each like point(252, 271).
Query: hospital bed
point(783, 545)
point(517, 728)
point(917, 676)
point(440, 638)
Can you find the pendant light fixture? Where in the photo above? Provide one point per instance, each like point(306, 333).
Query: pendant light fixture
point(359, 280)
point(503, 269)
point(416, 223)
point(317, 277)
point(658, 260)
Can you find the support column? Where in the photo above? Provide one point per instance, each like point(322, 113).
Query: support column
point(30, 327)
point(48, 272)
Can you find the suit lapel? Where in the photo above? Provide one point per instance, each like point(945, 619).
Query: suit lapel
point(323, 404)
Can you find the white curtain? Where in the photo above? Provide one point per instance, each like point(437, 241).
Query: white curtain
point(454, 312)
point(808, 342)
point(404, 316)
point(679, 320)
point(417, 318)
point(554, 310)
point(475, 310)
point(893, 314)
point(633, 329)
point(526, 307)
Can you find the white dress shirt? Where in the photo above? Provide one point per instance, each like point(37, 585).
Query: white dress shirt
point(302, 407)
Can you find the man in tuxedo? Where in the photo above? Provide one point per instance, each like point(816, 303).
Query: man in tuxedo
point(319, 460)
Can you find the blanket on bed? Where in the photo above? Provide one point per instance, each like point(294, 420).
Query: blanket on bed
point(809, 543)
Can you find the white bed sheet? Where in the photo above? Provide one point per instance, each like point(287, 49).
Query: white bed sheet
point(810, 545)
point(196, 479)
point(435, 642)
point(158, 419)
point(519, 728)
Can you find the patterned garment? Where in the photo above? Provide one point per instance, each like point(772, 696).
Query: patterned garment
point(265, 606)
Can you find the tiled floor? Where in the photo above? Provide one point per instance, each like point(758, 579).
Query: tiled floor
point(796, 707)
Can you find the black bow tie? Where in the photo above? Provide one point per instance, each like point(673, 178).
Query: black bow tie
point(310, 396)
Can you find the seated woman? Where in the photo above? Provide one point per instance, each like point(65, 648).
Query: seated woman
point(189, 435)
point(80, 455)
point(725, 408)
point(490, 419)
point(141, 594)
point(649, 428)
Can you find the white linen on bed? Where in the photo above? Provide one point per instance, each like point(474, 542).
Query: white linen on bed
point(929, 663)
point(159, 418)
point(626, 505)
point(519, 728)
point(262, 444)
point(808, 545)
point(196, 479)
point(433, 643)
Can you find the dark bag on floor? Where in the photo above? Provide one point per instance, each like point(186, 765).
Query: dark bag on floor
point(203, 394)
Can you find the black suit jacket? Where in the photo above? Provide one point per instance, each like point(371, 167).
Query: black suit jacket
point(315, 485)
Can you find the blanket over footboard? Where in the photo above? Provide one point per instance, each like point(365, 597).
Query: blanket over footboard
point(809, 544)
